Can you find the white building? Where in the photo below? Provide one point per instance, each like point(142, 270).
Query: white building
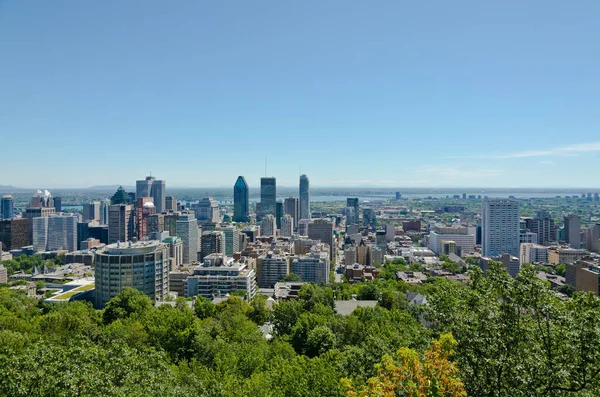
point(232, 240)
point(268, 225)
point(270, 269)
point(220, 275)
point(56, 232)
point(187, 231)
point(500, 227)
point(312, 267)
point(459, 234)
point(533, 253)
point(287, 226)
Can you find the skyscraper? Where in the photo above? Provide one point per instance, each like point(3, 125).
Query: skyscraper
point(232, 240)
point(7, 207)
point(322, 229)
point(152, 187)
point(187, 231)
point(170, 203)
point(121, 218)
point(573, 231)
point(268, 225)
point(15, 233)
point(212, 243)
point(104, 204)
point(145, 208)
point(304, 197)
point(352, 217)
point(91, 211)
point(268, 194)
point(500, 227)
point(241, 203)
point(543, 226)
point(207, 210)
point(291, 206)
point(287, 226)
point(56, 232)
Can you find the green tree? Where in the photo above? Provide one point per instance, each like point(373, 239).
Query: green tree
point(204, 308)
point(130, 302)
point(291, 277)
point(561, 269)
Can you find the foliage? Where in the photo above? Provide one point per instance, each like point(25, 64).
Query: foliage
point(561, 269)
point(291, 277)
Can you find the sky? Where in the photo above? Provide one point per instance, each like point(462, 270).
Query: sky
point(352, 93)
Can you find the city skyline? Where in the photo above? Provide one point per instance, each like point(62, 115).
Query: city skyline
point(467, 96)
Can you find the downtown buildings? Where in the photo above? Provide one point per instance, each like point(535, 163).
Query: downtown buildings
point(268, 197)
point(500, 227)
point(152, 187)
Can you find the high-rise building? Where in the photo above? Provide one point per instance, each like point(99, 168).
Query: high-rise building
point(352, 217)
point(592, 238)
point(322, 229)
point(543, 225)
point(212, 243)
point(291, 206)
point(170, 203)
point(304, 197)
point(500, 227)
point(15, 233)
point(459, 234)
point(207, 210)
point(278, 213)
point(312, 267)
point(121, 218)
point(156, 223)
point(152, 187)
point(145, 208)
point(232, 240)
point(56, 232)
point(287, 226)
point(39, 228)
point(121, 197)
point(91, 211)
point(270, 269)
point(268, 225)
point(143, 265)
point(241, 203)
point(7, 209)
point(187, 231)
point(573, 231)
point(58, 204)
point(303, 227)
point(104, 204)
point(268, 194)
point(171, 222)
point(369, 217)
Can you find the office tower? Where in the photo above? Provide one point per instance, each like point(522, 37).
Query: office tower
point(303, 227)
point(573, 231)
point(175, 252)
point(312, 267)
point(99, 232)
point(278, 213)
point(219, 276)
point(152, 187)
point(287, 226)
point(142, 265)
point(543, 225)
point(500, 227)
point(352, 216)
point(7, 205)
point(39, 227)
point(212, 243)
point(121, 197)
point(270, 269)
point(58, 204)
point(207, 210)
point(398, 196)
point(91, 211)
point(156, 223)
point(143, 188)
point(268, 194)
point(592, 238)
point(322, 229)
point(15, 233)
point(268, 226)
point(54, 233)
point(187, 230)
point(170, 203)
point(232, 240)
point(104, 204)
point(83, 232)
point(42, 199)
point(241, 200)
point(121, 218)
point(533, 253)
point(291, 207)
point(304, 197)
point(171, 223)
point(369, 217)
point(145, 208)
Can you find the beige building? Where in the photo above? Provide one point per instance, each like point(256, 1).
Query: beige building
point(565, 255)
point(583, 275)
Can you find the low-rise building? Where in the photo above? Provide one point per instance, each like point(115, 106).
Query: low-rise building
point(565, 255)
point(220, 275)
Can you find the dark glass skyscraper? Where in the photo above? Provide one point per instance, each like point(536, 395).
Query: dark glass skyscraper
point(240, 200)
point(6, 207)
point(304, 197)
point(268, 195)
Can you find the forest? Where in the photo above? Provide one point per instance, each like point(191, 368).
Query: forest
point(496, 336)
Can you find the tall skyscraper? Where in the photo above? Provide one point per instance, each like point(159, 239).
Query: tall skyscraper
point(268, 194)
point(543, 226)
point(287, 226)
point(104, 204)
point(142, 265)
point(500, 227)
point(232, 240)
point(58, 204)
point(145, 207)
point(212, 243)
point(291, 206)
point(54, 233)
point(573, 231)
point(152, 187)
point(15, 233)
point(304, 197)
point(352, 217)
point(7, 207)
point(187, 231)
point(322, 229)
point(241, 203)
point(121, 197)
point(121, 218)
point(91, 211)
point(278, 213)
point(170, 203)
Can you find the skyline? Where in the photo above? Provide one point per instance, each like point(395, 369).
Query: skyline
point(402, 95)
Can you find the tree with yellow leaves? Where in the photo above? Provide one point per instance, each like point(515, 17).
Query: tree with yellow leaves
point(408, 375)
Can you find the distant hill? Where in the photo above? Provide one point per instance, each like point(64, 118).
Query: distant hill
point(111, 187)
point(9, 189)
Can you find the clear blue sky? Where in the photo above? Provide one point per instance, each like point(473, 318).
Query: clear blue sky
point(388, 93)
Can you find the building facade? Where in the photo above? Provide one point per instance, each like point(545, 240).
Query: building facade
point(268, 225)
point(270, 269)
point(500, 227)
point(291, 207)
point(268, 196)
point(312, 267)
point(304, 197)
point(322, 229)
point(187, 231)
point(241, 200)
point(287, 226)
point(573, 231)
point(7, 207)
point(121, 219)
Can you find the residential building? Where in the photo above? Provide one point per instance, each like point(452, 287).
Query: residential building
point(543, 225)
point(268, 194)
point(175, 245)
point(268, 225)
point(212, 243)
point(220, 275)
point(232, 240)
point(500, 227)
point(411, 226)
point(461, 235)
point(526, 236)
point(322, 229)
point(187, 231)
point(7, 209)
point(573, 231)
point(241, 200)
point(304, 197)
point(287, 226)
point(121, 218)
point(143, 265)
point(533, 253)
point(312, 267)
point(510, 263)
point(303, 227)
point(291, 207)
point(270, 269)
point(350, 256)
